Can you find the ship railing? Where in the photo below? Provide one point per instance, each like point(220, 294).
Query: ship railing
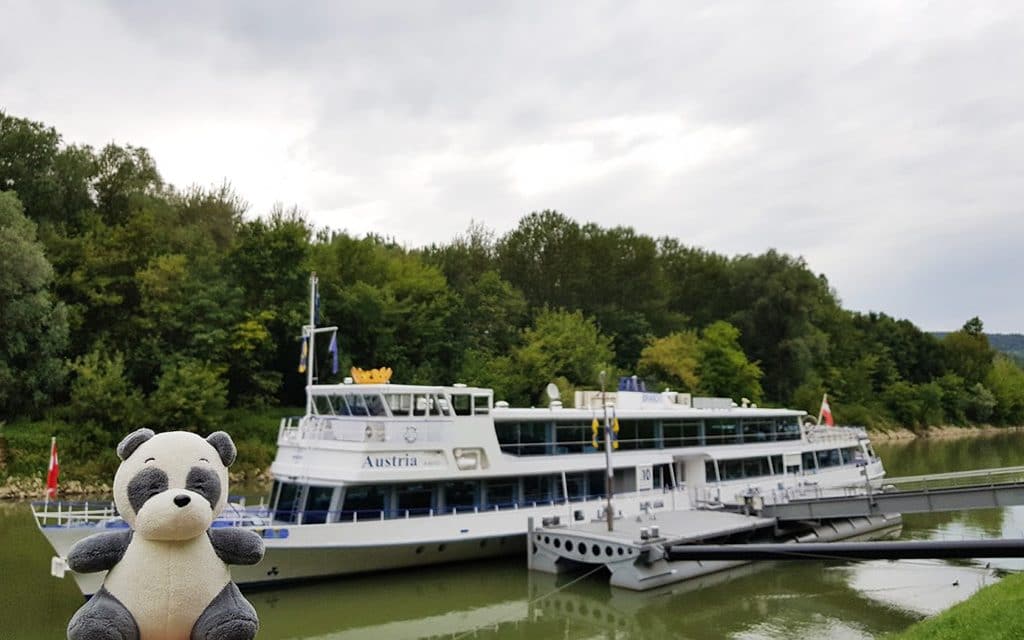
point(311, 516)
point(63, 513)
point(103, 514)
point(823, 433)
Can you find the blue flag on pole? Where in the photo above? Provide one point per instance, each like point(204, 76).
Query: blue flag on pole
point(333, 350)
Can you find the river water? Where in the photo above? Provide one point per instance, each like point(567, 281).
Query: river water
point(765, 601)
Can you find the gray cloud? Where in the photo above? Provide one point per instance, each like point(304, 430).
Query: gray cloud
point(880, 140)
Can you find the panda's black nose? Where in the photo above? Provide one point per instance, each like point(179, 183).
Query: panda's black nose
point(182, 500)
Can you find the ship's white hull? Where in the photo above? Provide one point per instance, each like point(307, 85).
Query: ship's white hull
point(312, 551)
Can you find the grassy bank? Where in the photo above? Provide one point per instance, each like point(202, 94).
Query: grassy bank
point(87, 454)
point(994, 613)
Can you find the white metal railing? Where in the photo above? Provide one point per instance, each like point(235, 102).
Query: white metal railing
point(60, 513)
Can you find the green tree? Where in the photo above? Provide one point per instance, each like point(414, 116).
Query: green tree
point(101, 393)
point(190, 395)
point(35, 329)
point(724, 369)
point(562, 344)
point(1006, 381)
point(968, 353)
point(673, 361)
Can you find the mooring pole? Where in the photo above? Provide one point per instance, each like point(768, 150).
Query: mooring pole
point(610, 476)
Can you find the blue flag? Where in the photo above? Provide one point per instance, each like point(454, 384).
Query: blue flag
point(333, 350)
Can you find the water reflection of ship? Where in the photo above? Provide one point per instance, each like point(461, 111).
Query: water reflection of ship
point(500, 600)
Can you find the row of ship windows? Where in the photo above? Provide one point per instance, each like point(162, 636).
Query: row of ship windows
point(550, 438)
point(313, 504)
point(402, 404)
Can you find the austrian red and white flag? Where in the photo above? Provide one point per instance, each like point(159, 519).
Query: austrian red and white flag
point(53, 472)
point(826, 412)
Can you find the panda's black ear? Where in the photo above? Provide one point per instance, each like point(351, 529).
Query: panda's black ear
point(225, 447)
point(132, 441)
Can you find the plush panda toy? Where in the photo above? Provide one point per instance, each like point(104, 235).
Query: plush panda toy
point(168, 576)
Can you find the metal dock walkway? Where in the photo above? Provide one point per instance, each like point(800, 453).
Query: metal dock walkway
point(922, 494)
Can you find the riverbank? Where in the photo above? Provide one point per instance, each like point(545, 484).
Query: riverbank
point(992, 613)
point(941, 431)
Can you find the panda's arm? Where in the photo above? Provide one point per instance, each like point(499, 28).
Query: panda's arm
point(236, 546)
point(99, 552)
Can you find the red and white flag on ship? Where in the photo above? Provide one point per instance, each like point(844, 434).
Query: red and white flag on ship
point(826, 412)
point(53, 472)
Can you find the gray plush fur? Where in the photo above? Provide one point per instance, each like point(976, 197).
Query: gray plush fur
point(99, 552)
point(236, 546)
point(103, 618)
point(146, 484)
point(224, 445)
point(132, 441)
point(204, 482)
point(229, 617)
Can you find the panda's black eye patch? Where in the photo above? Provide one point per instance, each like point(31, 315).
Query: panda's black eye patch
point(204, 482)
point(146, 484)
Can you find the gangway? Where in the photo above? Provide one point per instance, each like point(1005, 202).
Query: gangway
point(937, 492)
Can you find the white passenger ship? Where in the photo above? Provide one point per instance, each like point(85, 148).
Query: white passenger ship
point(386, 476)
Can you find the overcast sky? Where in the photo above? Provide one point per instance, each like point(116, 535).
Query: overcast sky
point(883, 141)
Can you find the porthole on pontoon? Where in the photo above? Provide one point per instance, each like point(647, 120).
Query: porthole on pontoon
point(608, 551)
point(558, 543)
point(596, 550)
point(547, 540)
point(620, 551)
point(568, 545)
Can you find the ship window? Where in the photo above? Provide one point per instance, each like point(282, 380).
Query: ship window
point(573, 438)
point(576, 483)
point(462, 404)
point(807, 458)
point(362, 501)
point(536, 489)
point(722, 432)
point(501, 492)
point(414, 499)
point(758, 430)
point(777, 465)
point(399, 403)
point(710, 473)
point(421, 405)
point(323, 405)
point(460, 494)
point(375, 405)
point(787, 428)
point(357, 404)
point(481, 404)
point(341, 407)
point(828, 458)
point(318, 501)
point(597, 484)
point(287, 509)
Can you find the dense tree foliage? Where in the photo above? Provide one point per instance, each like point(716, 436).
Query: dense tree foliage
point(125, 301)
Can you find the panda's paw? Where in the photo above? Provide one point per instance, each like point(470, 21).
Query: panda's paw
point(228, 617)
point(103, 617)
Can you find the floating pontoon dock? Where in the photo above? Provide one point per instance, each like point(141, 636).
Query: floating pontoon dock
point(663, 547)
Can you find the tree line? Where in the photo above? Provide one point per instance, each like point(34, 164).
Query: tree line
point(125, 301)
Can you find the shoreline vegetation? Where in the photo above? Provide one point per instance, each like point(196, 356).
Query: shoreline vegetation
point(992, 613)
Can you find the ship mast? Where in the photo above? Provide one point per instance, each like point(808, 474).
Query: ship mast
point(309, 333)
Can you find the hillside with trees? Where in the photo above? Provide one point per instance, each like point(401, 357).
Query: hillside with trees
point(126, 302)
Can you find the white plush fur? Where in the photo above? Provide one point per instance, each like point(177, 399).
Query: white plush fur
point(170, 572)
